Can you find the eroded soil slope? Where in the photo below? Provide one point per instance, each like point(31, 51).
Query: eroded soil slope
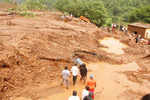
point(34, 50)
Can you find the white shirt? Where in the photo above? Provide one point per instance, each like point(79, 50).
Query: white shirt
point(84, 93)
point(74, 70)
point(112, 25)
point(74, 98)
point(65, 74)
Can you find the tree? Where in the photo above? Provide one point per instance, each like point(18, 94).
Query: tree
point(92, 9)
point(140, 14)
point(122, 8)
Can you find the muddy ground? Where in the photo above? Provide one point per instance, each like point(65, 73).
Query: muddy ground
point(34, 50)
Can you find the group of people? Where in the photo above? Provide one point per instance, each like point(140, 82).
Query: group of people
point(79, 69)
point(120, 27)
point(75, 71)
point(138, 38)
point(66, 17)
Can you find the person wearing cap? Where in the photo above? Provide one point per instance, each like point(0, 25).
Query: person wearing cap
point(91, 83)
point(74, 96)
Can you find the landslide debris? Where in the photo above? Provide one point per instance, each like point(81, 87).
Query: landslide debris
point(35, 49)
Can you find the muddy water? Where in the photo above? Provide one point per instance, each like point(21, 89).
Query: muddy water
point(113, 46)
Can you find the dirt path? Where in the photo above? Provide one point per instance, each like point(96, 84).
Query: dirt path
point(108, 77)
point(112, 84)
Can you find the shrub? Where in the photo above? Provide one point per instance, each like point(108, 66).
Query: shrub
point(140, 14)
point(34, 4)
point(27, 14)
point(94, 10)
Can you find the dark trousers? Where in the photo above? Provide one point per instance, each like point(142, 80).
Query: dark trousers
point(83, 77)
point(74, 80)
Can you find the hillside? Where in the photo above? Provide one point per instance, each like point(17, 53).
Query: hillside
point(34, 50)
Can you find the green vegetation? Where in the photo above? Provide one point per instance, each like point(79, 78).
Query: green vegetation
point(21, 12)
point(34, 4)
point(94, 10)
point(100, 12)
point(27, 14)
point(122, 10)
point(140, 14)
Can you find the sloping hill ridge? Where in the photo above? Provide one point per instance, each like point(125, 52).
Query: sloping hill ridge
point(38, 48)
point(34, 50)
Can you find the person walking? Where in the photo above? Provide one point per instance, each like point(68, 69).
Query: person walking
point(85, 92)
point(74, 96)
point(91, 83)
point(65, 77)
point(83, 72)
point(138, 37)
point(75, 72)
point(89, 97)
point(146, 97)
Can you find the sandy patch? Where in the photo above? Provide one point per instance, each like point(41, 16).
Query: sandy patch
point(113, 46)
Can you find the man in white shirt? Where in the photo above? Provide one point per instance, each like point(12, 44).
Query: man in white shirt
point(65, 77)
point(85, 92)
point(75, 72)
point(74, 96)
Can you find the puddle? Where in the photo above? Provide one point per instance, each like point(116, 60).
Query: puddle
point(113, 46)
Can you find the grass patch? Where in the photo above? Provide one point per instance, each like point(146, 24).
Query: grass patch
point(21, 12)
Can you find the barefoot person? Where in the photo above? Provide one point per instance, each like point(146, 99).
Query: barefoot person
point(65, 77)
point(74, 96)
point(91, 83)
